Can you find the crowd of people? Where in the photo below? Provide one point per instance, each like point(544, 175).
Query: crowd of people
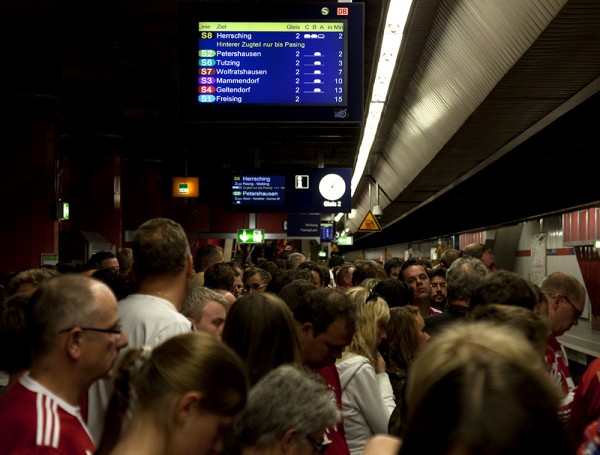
point(155, 350)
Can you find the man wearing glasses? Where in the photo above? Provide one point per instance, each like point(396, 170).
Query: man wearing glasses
point(566, 299)
point(75, 339)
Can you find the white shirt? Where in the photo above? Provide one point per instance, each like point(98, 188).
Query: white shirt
point(367, 401)
point(148, 321)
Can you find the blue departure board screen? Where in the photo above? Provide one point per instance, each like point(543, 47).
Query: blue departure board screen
point(241, 62)
point(273, 62)
point(258, 190)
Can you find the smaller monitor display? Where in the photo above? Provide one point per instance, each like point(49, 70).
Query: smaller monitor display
point(327, 231)
point(258, 191)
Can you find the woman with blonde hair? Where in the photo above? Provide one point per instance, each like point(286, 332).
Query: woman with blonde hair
point(187, 392)
point(488, 386)
point(367, 397)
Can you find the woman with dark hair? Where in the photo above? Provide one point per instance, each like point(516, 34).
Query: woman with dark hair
point(405, 338)
point(260, 328)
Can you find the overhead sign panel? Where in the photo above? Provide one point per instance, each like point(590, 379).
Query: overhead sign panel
point(303, 225)
point(323, 190)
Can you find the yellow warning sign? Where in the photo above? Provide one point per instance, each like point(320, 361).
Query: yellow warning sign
point(369, 224)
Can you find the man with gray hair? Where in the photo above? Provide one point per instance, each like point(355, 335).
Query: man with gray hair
point(295, 260)
point(462, 278)
point(566, 301)
point(75, 339)
point(288, 407)
point(482, 252)
point(205, 309)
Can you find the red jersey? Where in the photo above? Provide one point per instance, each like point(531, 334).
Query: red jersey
point(560, 374)
point(35, 421)
point(586, 404)
point(335, 437)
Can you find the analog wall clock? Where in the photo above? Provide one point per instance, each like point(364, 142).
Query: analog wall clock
point(332, 187)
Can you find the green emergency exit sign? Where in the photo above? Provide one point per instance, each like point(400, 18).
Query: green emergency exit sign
point(347, 240)
point(251, 235)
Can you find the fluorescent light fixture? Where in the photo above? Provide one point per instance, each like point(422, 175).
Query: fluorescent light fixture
point(396, 17)
point(338, 217)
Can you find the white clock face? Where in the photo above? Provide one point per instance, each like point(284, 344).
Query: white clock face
point(332, 187)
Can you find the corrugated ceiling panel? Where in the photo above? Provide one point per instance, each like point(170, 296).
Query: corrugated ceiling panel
point(471, 46)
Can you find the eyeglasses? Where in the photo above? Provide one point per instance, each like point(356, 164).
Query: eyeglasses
point(319, 446)
point(254, 287)
point(116, 330)
point(577, 312)
point(438, 285)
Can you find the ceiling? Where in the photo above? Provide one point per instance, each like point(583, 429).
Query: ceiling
point(492, 117)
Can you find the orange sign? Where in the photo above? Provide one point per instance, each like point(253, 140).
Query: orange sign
point(369, 224)
point(185, 187)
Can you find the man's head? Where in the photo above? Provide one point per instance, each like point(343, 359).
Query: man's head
point(219, 276)
point(343, 277)
point(505, 288)
point(482, 252)
point(395, 292)
point(448, 257)
point(438, 288)
point(325, 320)
point(256, 279)
point(367, 269)
point(392, 268)
point(238, 285)
point(74, 324)
point(319, 274)
point(293, 292)
point(462, 278)
point(104, 260)
point(125, 259)
point(160, 248)
point(28, 280)
point(206, 309)
point(294, 260)
point(208, 255)
point(414, 273)
point(566, 299)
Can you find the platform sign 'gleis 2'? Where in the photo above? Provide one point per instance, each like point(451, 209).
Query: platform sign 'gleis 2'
point(320, 190)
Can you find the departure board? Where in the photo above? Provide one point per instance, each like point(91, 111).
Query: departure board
point(272, 62)
point(276, 62)
point(258, 190)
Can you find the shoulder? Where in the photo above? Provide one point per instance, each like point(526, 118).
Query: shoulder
point(353, 361)
point(382, 445)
